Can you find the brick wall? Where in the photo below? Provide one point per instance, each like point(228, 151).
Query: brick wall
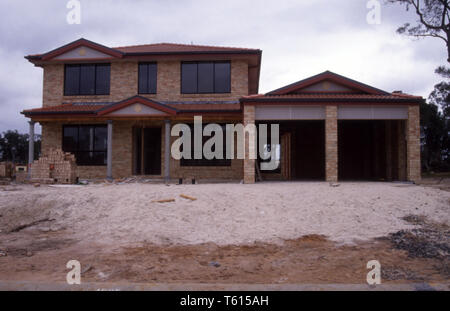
point(331, 143)
point(413, 169)
point(122, 159)
point(124, 84)
point(249, 164)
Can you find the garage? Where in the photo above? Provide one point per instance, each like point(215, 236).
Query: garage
point(372, 143)
point(301, 149)
point(335, 128)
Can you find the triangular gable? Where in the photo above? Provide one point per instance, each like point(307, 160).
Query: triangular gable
point(80, 47)
point(327, 82)
point(138, 106)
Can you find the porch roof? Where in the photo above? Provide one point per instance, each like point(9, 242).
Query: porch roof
point(97, 109)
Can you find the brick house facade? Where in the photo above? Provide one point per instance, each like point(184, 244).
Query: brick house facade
point(93, 106)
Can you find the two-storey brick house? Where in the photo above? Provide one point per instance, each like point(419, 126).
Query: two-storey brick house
point(114, 108)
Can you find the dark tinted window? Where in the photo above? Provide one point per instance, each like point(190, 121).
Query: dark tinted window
point(87, 79)
point(87, 142)
point(70, 139)
point(189, 78)
point(72, 80)
point(147, 78)
point(222, 77)
point(204, 161)
point(102, 77)
point(206, 77)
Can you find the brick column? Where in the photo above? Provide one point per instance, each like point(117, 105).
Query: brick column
point(413, 171)
point(401, 150)
point(249, 164)
point(331, 144)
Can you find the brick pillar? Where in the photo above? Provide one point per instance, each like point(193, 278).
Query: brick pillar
point(401, 150)
point(413, 172)
point(331, 144)
point(249, 164)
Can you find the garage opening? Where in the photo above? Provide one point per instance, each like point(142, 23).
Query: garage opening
point(371, 150)
point(300, 153)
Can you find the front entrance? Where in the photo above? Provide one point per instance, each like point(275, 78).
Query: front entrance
point(147, 151)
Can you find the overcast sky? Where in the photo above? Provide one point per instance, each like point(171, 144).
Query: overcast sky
point(298, 38)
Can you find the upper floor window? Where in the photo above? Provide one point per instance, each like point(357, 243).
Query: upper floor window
point(147, 78)
point(205, 77)
point(87, 79)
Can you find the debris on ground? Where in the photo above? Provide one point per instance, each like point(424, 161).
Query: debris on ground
point(21, 227)
point(188, 197)
point(428, 241)
point(86, 269)
point(3, 254)
point(214, 264)
point(333, 184)
point(36, 185)
point(399, 273)
point(164, 201)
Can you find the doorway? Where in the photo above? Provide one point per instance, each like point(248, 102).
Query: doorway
point(147, 151)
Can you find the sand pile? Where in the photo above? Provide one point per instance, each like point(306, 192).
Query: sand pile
point(223, 213)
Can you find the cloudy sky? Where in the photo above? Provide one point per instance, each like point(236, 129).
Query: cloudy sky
point(299, 38)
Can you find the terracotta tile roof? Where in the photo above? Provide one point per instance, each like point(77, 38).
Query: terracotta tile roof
point(333, 97)
point(83, 108)
point(179, 48)
point(205, 107)
point(96, 108)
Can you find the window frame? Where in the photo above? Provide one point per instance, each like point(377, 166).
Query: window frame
point(79, 93)
point(214, 76)
point(156, 80)
point(77, 151)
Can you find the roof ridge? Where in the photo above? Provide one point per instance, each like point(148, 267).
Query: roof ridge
point(183, 44)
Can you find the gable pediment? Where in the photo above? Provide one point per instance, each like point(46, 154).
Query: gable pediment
point(82, 49)
point(324, 87)
point(82, 52)
point(138, 109)
point(138, 106)
point(327, 82)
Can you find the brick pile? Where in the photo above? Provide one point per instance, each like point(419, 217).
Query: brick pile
point(55, 166)
point(6, 169)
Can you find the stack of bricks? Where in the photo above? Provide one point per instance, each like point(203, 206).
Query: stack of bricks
point(5, 169)
point(55, 166)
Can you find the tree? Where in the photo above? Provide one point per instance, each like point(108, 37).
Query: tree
point(433, 20)
point(441, 97)
point(434, 138)
point(14, 146)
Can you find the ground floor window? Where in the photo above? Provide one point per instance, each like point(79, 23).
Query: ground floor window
point(87, 142)
point(203, 161)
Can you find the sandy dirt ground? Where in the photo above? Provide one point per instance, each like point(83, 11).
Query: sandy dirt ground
point(265, 233)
